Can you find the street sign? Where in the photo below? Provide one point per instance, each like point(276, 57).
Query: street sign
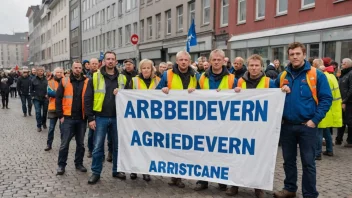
point(134, 39)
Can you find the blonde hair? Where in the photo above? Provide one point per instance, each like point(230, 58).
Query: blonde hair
point(183, 52)
point(319, 62)
point(217, 51)
point(57, 69)
point(256, 57)
point(146, 61)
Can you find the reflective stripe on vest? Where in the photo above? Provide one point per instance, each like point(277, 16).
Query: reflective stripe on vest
point(99, 91)
point(139, 83)
point(226, 82)
point(311, 77)
point(122, 80)
point(68, 96)
point(174, 81)
point(263, 84)
point(53, 85)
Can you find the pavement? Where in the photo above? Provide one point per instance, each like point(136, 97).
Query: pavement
point(26, 170)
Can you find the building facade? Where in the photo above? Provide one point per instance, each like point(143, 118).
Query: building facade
point(33, 15)
point(221, 24)
point(266, 27)
point(45, 36)
point(164, 27)
point(60, 38)
point(107, 26)
point(13, 50)
point(75, 30)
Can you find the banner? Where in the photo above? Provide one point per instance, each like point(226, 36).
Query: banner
point(223, 137)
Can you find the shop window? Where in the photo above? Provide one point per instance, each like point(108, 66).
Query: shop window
point(330, 50)
point(314, 50)
point(241, 53)
point(346, 49)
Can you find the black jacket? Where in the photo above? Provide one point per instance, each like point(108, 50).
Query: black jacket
point(251, 83)
point(23, 85)
point(76, 110)
point(39, 88)
point(5, 83)
point(129, 77)
point(239, 73)
point(109, 105)
point(271, 72)
point(345, 84)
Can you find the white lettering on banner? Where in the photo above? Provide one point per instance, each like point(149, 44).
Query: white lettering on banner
point(221, 137)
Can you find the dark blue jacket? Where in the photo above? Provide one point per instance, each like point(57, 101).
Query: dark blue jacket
point(300, 106)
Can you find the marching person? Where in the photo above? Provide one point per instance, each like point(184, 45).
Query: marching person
point(23, 87)
point(101, 112)
point(33, 73)
point(94, 64)
point(254, 78)
point(181, 76)
point(128, 73)
point(5, 83)
point(345, 83)
point(238, 67)
point(70, 110)
point(305, 107)
point(53, 84)
point(161, 69)
point(39, 96)
point(146, 79)
point(216, 77)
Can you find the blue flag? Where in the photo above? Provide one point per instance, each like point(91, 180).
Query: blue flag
point(101, 56)
point(192, 36)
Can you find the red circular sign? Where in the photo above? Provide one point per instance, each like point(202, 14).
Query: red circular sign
point(134, 39)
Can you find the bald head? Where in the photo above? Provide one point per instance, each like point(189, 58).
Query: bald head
point(238, 63)
point(94, 65)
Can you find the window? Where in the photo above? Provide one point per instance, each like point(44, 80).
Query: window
point(180, 18)
point(134, 4)
point(224, 12)
point(65, 22)
point(88, 45)
point(346, 49)
point(114, 38)
point(102, 16)
point(241, 53)
point(127, 34)
point(113, 10)
point(128, 5)
point(135, 30)
point(96, 43)
point(308, 3)
point(314, 50)
point(281, 7)
point(84, 5)
point(206, 11)
point(192, 11)
point(330, 50)
point(88, 4)
point(120, 37)
point(241, 11)
point(93, 21)
point(120, 8)
point(97, 18)
point(141, 30)
point(88, 23)
point(168, 22)
point(262, 51)
point(260, 9)
point(158, 25)
point(142, 2)
point(108, 13)
point(93, 42)
point(62, 23)
point(108, 40)
point(103, 41)
point(150, 27)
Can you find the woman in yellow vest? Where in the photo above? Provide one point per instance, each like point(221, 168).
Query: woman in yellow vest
point(146, 79)
point(53, 84)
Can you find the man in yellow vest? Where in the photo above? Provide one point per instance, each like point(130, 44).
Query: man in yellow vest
point(53, 84)
point(180, 76)
point(310, 99)
point(253, 78)
point(101, 112)
point(216, 77)
point(333, 117)
point(69, 105)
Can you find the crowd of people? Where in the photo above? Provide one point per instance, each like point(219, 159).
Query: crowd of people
point(318, 98)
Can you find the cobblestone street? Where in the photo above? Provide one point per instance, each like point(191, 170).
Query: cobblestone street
point(26, 170)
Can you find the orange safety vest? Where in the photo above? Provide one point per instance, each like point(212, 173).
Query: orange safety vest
point(311, 80)
point(53, 85)
point(68, 96)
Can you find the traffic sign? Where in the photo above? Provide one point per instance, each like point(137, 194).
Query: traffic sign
point(134, 39)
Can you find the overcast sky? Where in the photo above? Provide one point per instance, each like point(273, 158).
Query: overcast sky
point(13, 15)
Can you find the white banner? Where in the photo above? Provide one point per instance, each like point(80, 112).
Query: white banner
point(223, 137)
